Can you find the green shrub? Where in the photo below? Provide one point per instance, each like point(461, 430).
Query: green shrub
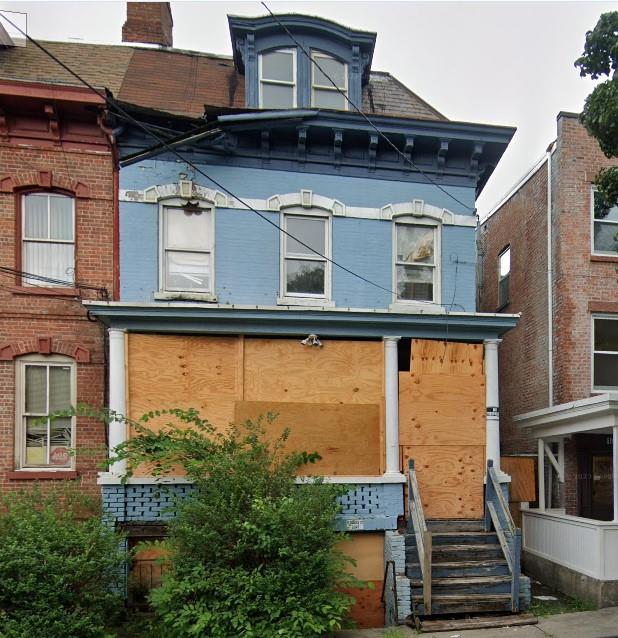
point(252, 554)
point(60, 567)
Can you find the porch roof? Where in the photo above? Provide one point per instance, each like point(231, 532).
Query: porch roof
point(596, 413)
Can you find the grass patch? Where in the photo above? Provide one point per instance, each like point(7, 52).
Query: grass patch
point(564, 605)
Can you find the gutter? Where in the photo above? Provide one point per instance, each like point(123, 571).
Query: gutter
point(266, 115)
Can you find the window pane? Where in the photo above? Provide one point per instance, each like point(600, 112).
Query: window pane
point(606, 371)
point(305, 277)
point(606, 335)
point(60, 442)
point(188, 230)
point(328, 99)
point(35, 220)
point(607, 215)
point(504, 261)
point(188, 271)
point(309, 231)
point(277, 96)
point(61, 218)
point(36, 441)
point(503, 291)
point(415, 244)
point(59, 388)
point(36, 389)
point(415, 283)
point(333, 68)
point(278, 65)
point(604, 237)
point(49, 260)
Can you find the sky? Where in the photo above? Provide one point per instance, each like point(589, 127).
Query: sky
point(508, 63)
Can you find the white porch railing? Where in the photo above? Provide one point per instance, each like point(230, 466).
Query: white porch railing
point(584, 545)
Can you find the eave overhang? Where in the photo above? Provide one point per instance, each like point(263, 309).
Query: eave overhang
point(195, 318)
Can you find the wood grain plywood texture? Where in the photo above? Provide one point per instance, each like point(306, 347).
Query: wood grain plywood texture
point(430, 357)
point(450, 479)
point(339, 372)
point(367, 549)
point(347, 437)
point(523, 477)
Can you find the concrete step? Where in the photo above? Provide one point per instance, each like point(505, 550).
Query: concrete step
point(471, 568)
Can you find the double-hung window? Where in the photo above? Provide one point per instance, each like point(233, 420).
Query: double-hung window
point(48, 239)
point(304, 272)
point(278, 79)
point(605, 227)
point(605, 354)
point(504, 274)
point(415, 262)
point(44, 386)
point(323, 93)
point(187, 249)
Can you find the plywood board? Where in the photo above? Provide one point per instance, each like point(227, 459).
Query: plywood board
point(339, 372)
point(346, 436)
point(367, 549)
point(523, 477)
point(450, 479)
point(441, 409)
point(429, 357)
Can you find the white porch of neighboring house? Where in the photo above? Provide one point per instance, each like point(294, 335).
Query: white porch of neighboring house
point(570, 541)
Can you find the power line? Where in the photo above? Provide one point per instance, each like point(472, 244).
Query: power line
point(112, 103)
point(52, 281)
point(363, 115)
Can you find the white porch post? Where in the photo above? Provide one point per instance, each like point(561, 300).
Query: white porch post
point(117, 393)
point(541, 464)
point(492, 404)
point(615, 470)
point(391, 400)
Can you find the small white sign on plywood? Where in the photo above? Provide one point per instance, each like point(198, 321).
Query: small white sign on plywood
point(354, 524)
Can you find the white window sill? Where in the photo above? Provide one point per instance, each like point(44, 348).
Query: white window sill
point(314, 302)
point(185, 296)
point(413, 307)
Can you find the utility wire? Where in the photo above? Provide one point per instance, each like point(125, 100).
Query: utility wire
point(112, 103)
point(363, 115)
point(51, 280)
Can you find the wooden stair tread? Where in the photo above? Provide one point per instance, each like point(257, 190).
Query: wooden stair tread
point(446, 598)
point(465, 563)
point(466, 546)
point(463, 580)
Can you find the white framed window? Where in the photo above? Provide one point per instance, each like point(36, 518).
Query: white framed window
point(304, 273)
point(504, 274)
point(604, 227)
point(48, 238)
point(416, 262)
point(605, 354)
point(323, 93)
point(277, 72)
point(187, 249)
point(44, 384)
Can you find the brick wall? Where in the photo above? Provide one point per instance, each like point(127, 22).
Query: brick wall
point(32, 320)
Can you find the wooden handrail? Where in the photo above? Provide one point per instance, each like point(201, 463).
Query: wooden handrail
point(497, 513)
point(417, 524)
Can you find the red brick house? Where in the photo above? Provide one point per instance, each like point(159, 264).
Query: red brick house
point(559, 367)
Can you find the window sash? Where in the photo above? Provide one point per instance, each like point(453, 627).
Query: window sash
point(315, 56)
point(433, 264)
point(289, 83)
point(599, 355)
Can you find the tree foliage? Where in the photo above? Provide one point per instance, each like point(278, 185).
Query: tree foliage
point(600, 114)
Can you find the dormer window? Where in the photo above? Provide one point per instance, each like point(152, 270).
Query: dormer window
point(278, 79)
point(323, 93)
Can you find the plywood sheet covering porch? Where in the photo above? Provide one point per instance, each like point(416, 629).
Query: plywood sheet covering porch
point(442, 425)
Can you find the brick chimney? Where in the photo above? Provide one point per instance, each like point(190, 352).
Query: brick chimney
point(148, 23)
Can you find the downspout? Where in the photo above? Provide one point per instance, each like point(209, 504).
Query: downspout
point(550, 290)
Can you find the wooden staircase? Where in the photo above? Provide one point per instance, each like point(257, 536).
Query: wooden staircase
point(464, 566)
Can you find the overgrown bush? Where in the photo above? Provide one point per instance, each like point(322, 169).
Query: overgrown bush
point(252, 554)
point(60, 567)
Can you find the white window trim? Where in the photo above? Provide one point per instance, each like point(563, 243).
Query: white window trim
point(293, 84)
point(163, 292)
point(306, 299)
point(593, 251)
point(437, 275)
point(603, 389)
point(20, 387)
point(24, 239)
point(329, 86)
point(506, 249)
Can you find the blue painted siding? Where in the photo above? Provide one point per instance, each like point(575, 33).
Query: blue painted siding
point(458, 267)
point(364, 246)
point(263, 183)
point(246, 258)
point(139, 247)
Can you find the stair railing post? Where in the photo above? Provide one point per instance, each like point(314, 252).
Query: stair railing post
point(410, 524)
point(516, 545)
point(488, 494)
point(427, 542)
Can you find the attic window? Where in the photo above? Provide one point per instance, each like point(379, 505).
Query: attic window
point(323, 93)
point(278, 79)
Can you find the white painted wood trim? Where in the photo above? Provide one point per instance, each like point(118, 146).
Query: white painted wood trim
point(107, 478)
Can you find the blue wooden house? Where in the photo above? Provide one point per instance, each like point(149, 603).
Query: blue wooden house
point(278, 251)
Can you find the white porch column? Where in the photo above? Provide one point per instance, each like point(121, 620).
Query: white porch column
point(541, 464)
point(391, 400)
point(615, 470)
point(117, 393)
point(492, 404)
